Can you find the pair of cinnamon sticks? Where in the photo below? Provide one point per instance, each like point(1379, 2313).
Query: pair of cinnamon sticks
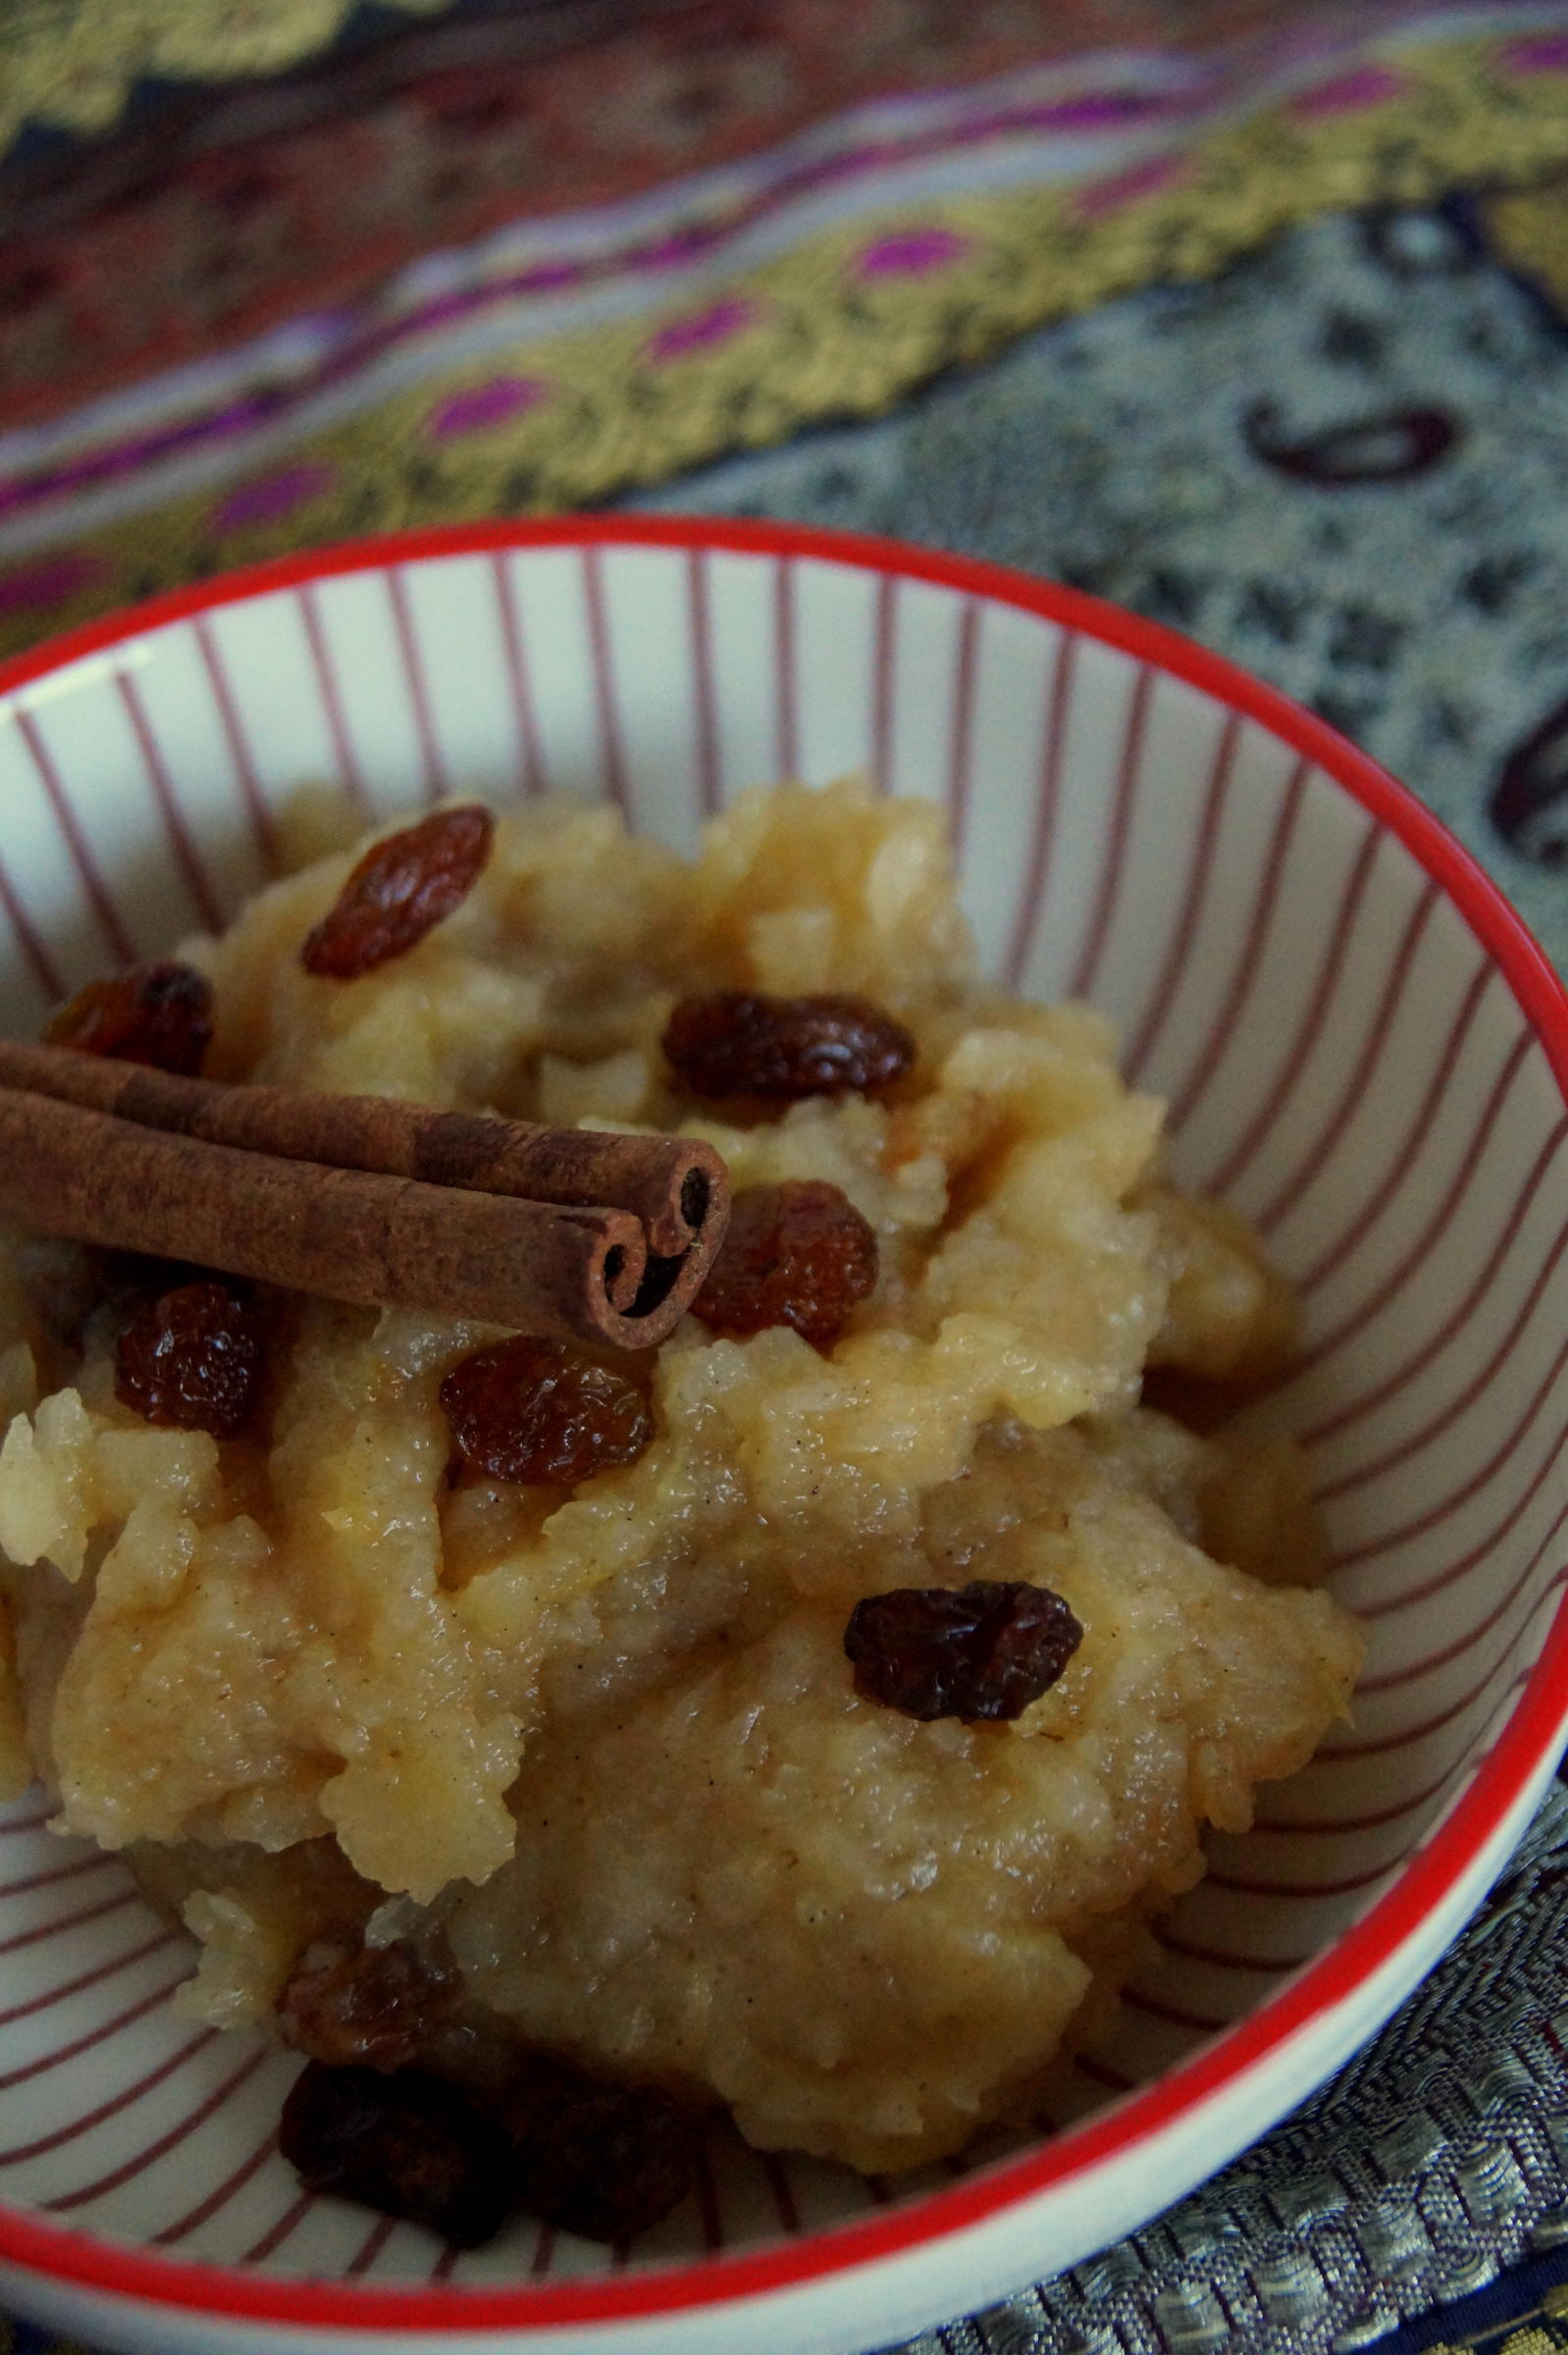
point(560, 1232)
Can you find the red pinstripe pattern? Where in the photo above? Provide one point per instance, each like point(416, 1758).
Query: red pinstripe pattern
point(98, 895)
point(86, 1979)
point(217, 2200)
point(273, 2240)
point(785, 712)
point(1459, 1401)
point(178, 834)
point(1331, 973)
point(514, 647)
point(1443, 1708)
point(370, 2248)
point(29, 940)
point(83, 2044)
point(1367, 1401)
point(1392, 1284)
point(349, 773)
point(1381, 1745)
point(68, 1922)
point(264, 832)
point(1219, 1957)
point(418, 684)
point(884, 663)
point(710, 798)
point(26, 1823)
point(1314, 1886)
point(152, 2151)
point(1238, 992)
point(1432, 1661)
point(1379, 1606)
point(1435, 1513)
point(1115, 854)
point(612, 755)
point(1403, 1158)
point(1388, 1004)
point(1199, 866)
point(1048, 797)
point(179, 2058)
point(1175, 2015)
point(55, 1874)
point(961, 729)
point(789, 2215)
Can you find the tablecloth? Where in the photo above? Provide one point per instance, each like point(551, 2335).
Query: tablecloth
point(1263, 333)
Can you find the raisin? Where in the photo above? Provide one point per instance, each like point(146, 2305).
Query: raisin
point(606, 2161)
point(159, 1014)
point(407, 2145)
point(367, 2007)
point(797, 1254)
point(533, 1410)
point(740, 1043)
point(400, 889)
point(190, 1358)
point(983, 1650)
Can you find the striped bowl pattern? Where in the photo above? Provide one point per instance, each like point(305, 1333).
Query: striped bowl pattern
point(1359, 1048)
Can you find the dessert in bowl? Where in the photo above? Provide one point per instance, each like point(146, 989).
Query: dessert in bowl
point(1356, 1046)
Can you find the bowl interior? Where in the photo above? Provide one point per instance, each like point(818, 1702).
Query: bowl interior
point(1343, 1059)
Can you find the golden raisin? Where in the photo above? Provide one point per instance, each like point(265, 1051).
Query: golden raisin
point(797, 1254)
point(400, 891)
point(531, 1410)
point(741, 1043)
point(159, 1014)
point(190, 1358)
point(367, 2007)
point(984, 1650)
point(408, 2145)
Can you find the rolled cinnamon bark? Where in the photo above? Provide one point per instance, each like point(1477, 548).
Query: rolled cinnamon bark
point(336, 1227)
point(675, 1186)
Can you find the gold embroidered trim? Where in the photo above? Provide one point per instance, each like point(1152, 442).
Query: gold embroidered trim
point(72, 63)
point(844, 326)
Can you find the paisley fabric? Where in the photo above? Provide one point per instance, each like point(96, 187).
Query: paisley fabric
point(554, 364)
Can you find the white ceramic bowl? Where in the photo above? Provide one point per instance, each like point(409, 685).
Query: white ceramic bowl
point(1362, 1048)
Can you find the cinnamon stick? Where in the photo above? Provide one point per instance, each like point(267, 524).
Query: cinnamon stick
point(562, 1233)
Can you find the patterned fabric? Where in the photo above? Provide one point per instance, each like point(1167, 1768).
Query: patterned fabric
point(1344, 463)
point(71, 64)
point(559, 365)
point(214, 210)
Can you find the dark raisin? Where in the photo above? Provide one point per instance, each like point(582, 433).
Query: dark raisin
point(797, 1254)
point(400, 889)
point(740, 1043)
point(606, 2161)
point(159, 1014)
point(986, 1650)
point(367, 2007)
point(534, 1411)
point(190, 1358)
point(407, 2145)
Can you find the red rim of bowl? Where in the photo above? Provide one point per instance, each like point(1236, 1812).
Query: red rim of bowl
point(1529, 1739)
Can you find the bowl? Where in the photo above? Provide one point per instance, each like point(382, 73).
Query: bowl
point(1361, 1047)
